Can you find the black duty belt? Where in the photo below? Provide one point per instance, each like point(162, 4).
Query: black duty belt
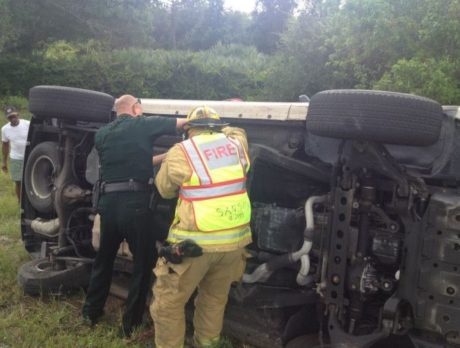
point(125, 186)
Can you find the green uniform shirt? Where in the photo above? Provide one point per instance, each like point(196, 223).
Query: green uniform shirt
point(125, 146)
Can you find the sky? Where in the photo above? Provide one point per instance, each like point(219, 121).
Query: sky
point(240, 5)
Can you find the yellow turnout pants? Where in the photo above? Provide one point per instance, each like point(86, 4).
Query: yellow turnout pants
point(213, 274)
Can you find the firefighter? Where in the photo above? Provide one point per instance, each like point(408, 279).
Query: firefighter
point(208, 173)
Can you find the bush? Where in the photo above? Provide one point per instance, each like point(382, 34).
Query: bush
point(219, 73)
point(430, 78)
point(19, 102)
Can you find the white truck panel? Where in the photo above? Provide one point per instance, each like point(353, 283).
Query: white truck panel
point(229, 109)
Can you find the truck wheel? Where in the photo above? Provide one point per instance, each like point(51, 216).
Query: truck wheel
point(40, 277)
point(42, 168)
point(70, 103)
point(385, 117)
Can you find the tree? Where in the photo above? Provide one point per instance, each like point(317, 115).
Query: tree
point(430, 78)
point(205, 29)
point(198, 25)
point(439, 30)
point(352, 44)
point(122, 23)
point(236, 26)
point(301, 63)
point(369, 36)
point(7, 31)
point(270, 18)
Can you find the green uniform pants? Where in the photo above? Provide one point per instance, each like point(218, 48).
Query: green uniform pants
point(124, 215)
point(213, 274)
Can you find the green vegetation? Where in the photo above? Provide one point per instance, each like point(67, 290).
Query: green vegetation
point(197, 49)
point(20, 103)
point(219, 73)
point(372, 44)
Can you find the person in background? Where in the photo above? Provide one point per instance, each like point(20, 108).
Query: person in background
point(209, 232)
point(14, 139)
point(125, 148)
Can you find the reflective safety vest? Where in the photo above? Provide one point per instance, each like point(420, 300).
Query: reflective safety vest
point(216, 190)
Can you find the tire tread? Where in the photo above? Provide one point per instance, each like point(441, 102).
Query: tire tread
point(70, 103)
point(387, 117)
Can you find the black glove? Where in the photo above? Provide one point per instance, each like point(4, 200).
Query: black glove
point(174, 253)
point(189, 248)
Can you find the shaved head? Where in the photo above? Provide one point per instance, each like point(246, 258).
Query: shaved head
point(127, 104)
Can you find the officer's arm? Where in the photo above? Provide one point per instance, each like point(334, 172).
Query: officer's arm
point(180, 123)
point(173, 172)
point(156, 126)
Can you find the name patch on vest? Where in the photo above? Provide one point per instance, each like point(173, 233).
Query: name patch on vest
point(232, 212)
point(219, 153)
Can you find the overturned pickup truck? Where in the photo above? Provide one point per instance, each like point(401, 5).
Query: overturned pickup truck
point(355, 213)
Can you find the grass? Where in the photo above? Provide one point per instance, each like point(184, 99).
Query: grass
point(43, 321)
point(47, 322)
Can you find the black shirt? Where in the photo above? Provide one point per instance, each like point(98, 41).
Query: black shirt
point(125, 146)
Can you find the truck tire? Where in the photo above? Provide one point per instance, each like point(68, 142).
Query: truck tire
point(385, 117)
point(42, 168)
point(39, 277)
point(70, 103)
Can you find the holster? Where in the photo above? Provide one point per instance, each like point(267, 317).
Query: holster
point(170, 254)
point(175, 253)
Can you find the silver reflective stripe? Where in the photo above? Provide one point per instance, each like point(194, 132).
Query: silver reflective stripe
point(243, 160)
point(210, 192)
point(211, 236)
point(197, 163)
point(219, 153)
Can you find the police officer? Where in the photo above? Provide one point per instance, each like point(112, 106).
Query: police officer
point(208, 173)
point(125, 151)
